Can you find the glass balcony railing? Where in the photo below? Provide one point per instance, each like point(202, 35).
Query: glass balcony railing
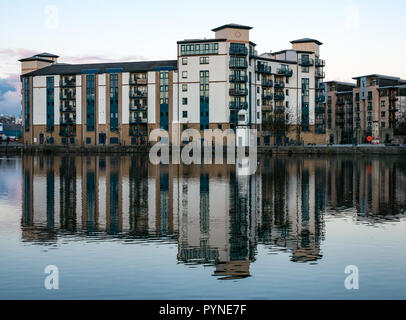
point(238, 64)
point(320, 63)
point(138, 94)
point(285, 71)
point(267, 96)
point(238, 92)
point(238, 78)
point(279, 109)
point(135, 81)
point(238, 50)
point(320, 74)
point(279, 96)
point(239, 105)
point(306, 62)
point(267, 83)
point(264, 69)
point(67, 83)
point(141, 107)
point(279, 85)
point(134, 120)
point(65, 121)
point(71, 95)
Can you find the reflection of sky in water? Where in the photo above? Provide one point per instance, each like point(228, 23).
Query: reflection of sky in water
point(118, 228)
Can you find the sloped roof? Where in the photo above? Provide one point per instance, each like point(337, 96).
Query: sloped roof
point(232, 25)
point(304, 40)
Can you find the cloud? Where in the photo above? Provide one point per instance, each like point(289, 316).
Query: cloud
point(10, 95)
point(352, 17)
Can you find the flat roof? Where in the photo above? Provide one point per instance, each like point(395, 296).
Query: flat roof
point(342, 82)
point(35, 58)
point(377, 76)
point(200, 40)
point(70, 69)
point(232, 25)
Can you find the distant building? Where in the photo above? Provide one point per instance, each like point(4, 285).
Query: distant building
point(11, 130)
point(369, 107)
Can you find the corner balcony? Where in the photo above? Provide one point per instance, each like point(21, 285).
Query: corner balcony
point(238, 64)
point(138, 94)
point(238, 92)
point(235, 78)
point(264, 69)
point(279, 85)
point(306, 62)
point(239, 50)
point(267, 83)
point(279, 96)
point(320, 74)
point(238, 105)
point(67, 109)
point(320, 63)
point(285, 71)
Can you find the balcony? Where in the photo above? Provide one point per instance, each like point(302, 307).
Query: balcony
point(340, 110)
point(306, 62)
point(320, 109)
point(238, 78)
point(279, 96)
point(67, 109)
point(138, 94)
point(67, 96)
point(67, 132)
point(320, 98)
point(67, 121)
point(238, 64)
point(340, 121)
point(279, 109)
point(320, 121)
point(238, 105)
point(267, 96)
point(138, 107)
point(264, 69)
point(285, 71)
point(135, 120)
point(138, 81)
point(67, 83)
point(238, 50)
point(320, 74)
point(267, 83)
point(238, 92)
point(320, 63)
point(279, 85)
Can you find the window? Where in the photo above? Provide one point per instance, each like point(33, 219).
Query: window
point(383, 104)
point(184, 114)
point(383, 124)
point(184, 87)
point(257, 89)
point(382, 113)
point(184, 74)
point(258, 77)
point(184, 127)
point(287, 92)
point(220, 126)
point(258, 115)
point(287, 104)
point(184, 101)
point(204, 60)
point(184, 61)
point(258, 102)
point(88, 140)
point(305, 69)
point(199, 48)
point(287, 80)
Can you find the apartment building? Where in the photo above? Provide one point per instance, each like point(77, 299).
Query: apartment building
point(368, 108)
point(220, 83)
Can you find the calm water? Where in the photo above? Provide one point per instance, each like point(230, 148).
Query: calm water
point(118, 227)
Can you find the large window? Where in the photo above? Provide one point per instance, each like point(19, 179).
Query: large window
point(90, 102)
point(114, 102)
point(199, 49)
point(26, 104)
point(50, 104)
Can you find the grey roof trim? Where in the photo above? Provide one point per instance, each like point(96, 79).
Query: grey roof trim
point(200, 40)
point(377, 76)
point(232, 25)
point(305, 40)
point(35, 58)
point(70, 69)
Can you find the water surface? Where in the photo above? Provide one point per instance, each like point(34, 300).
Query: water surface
point(121, 228)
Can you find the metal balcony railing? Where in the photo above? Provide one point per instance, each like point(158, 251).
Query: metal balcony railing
point(67, 83)
point(238, 64)
point(279, 85)
point(267, 96)
point(238, 105)
point(279, 96)
point(239, 50)
point(306, 62)
point(320, 63)
point(320, 74)
point(238, 92)
point(264, 69)
point(238, 78)
point(267, 83)
point(285, 71)
point(138, 94)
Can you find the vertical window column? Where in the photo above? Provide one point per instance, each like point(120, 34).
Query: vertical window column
point(90, 102)
point(204, 100)
point(114, 102)
point(50, 104)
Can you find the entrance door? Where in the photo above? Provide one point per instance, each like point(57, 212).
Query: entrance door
point(102, 138)
point(41, 138)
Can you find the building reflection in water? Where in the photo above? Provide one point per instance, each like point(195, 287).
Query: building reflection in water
point(216, 215)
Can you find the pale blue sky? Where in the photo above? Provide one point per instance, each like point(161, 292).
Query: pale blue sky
point(359, 37)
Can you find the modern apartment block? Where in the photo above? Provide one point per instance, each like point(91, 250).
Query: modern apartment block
point(368, 108)
point(220, 83)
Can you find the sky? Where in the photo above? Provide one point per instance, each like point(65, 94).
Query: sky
point(360, 37)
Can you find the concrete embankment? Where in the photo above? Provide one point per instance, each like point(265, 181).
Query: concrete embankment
point(274, 150)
